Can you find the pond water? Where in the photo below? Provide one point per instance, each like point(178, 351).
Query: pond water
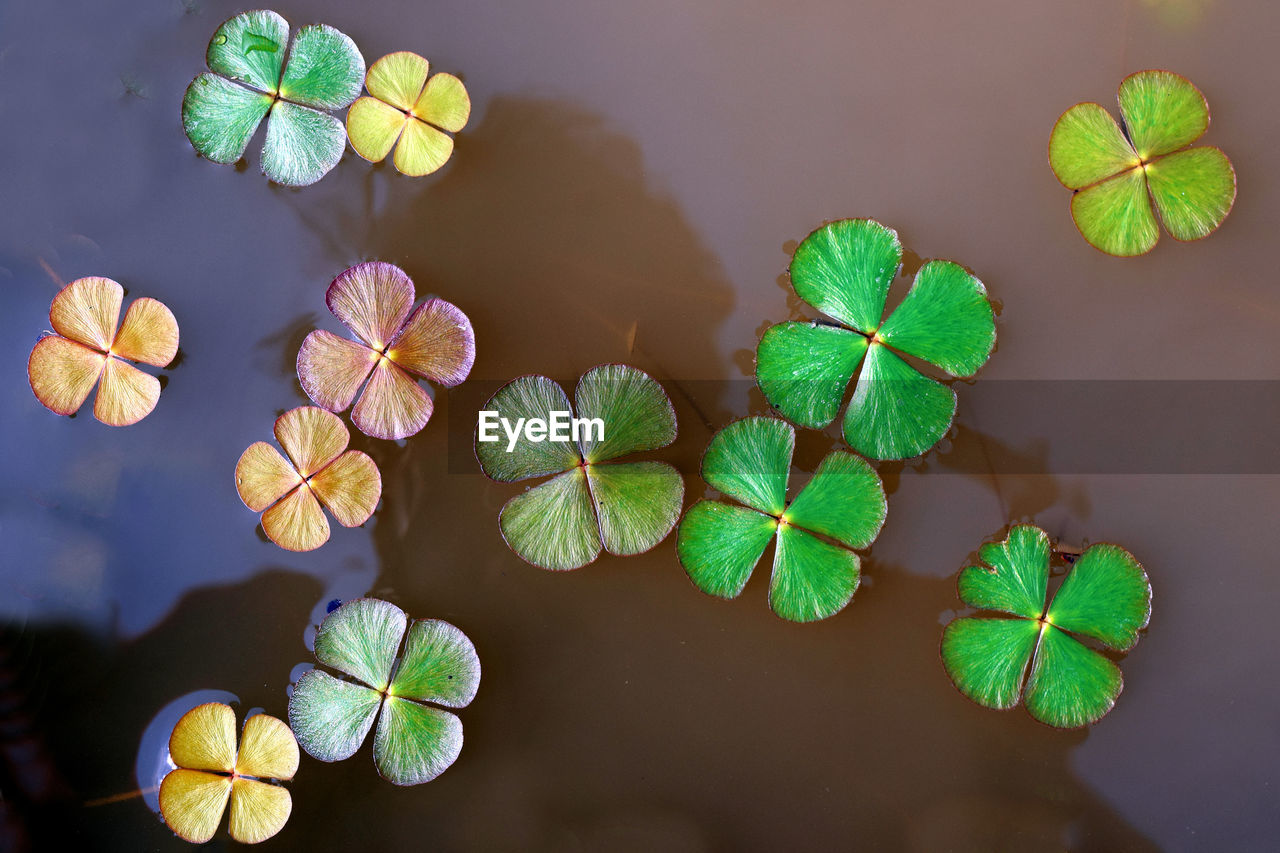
point(629, 188)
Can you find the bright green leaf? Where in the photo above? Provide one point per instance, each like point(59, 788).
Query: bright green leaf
point(844, 500)
point(325, 69)
point(302, 145)
point(1106, 596)
point(1087, 146)
point(1115, 216)
point(250, 48)
point(804, 368)
point(719, 545)
point(361, 638)
point(1193, 191)
point(220, 117)
point(519, 400)
point(945, 319)
point(896, 412)
point(331, 718)
point(414, 743)
point(987, 658)
point(750, 461)
point(636, 412)
point(1015, 577)
point(844, 270)
point(637, 503)
point(439, 665)
point(1070, 685)
point(1162, 112)
point(553, 526)
point(811, 579)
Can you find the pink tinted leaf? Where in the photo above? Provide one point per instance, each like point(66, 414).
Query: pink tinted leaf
point(372, 300)
point(393, 405)
point(331, 369)
point(437, 342)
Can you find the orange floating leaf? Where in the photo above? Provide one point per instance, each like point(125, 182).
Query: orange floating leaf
point(349, 487)
point(290, 490)
point(126, 395)
point(64, 367)
point(62, 373)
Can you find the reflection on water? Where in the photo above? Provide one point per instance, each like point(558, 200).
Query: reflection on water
point(626, 191)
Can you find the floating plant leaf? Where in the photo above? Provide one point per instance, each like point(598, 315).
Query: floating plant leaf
point(592, 503)
point(409, 112)
point(319, 470)
point(363, 639)
point(87, 349)
point(394, 348)
point(844, 270)
point(815, 569)
point(211, 772)
point(1030, 653)
point(257, 74)
point(1118, 175)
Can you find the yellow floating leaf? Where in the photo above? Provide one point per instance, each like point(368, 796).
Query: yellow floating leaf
point(445, 103)
point(205, 738)
point(126, 395)
point(268, 750)
point(398, 78)
point(87, 311)
point(373, 128)
point(149, 333)
point(422, 149)
point(192, 802)
point(62, 373)
point(258, 810)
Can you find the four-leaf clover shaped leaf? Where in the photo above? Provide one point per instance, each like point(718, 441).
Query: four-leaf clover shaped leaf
point(1033, 656)
point(626, 508)
point(252, 78)
point(435, 342)
point(409, 112)
point(318, 471)
point(1117, 175)
point(396, 667)
point(844, 270)
point(815, 569)
point(87, 347)
point(211, 771)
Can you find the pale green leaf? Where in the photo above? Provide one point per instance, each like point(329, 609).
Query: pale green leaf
point(636, 412)
point(361, 638)
point(553, 526)
point(439, 665)
point(220, 117)
point(414, 743)
point(325, 69)
point(518, 401)
point(1162, 112)
point(302, 145)
point(1193, 191)
point(250, 48)
point(1087, 146)
point(330, 717)
point(638, 504)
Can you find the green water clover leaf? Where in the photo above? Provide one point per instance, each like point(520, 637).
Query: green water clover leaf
point(815, 569)
point(1117, 176)
point(626, 508)
point(252, 79)
point(394, 668)
point(844, 270)
point(1033, 656)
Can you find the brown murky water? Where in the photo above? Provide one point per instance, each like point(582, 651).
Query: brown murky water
point(645, 166)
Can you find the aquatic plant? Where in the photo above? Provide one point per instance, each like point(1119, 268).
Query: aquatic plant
point(211, 771)
point(252, 79)
point(86, 348)
point(435, 342)
point(1033, 656)
point(289, 492)
point(626, 508)
point(1117, 175)
point(396, 667)
point(406, 110)
point(815, 569)
point(844, 270)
